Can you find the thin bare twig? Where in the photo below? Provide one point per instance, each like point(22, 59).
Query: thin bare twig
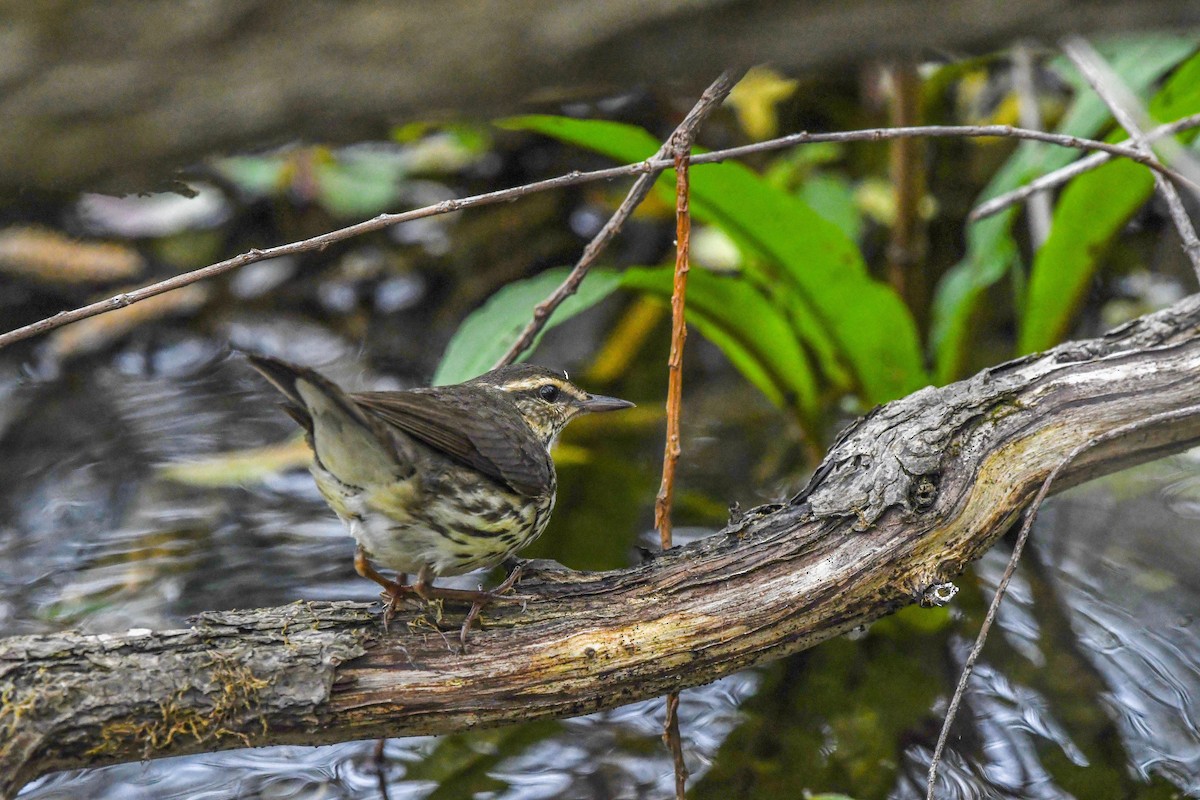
point(571, 179)
point(906, 166)
point(1108, 85)
point(1072, 170)
point(713, 96)
point(1038, 211)
point(319, 242)
point(379, 761)
point(1026, 525)
point(943, 132)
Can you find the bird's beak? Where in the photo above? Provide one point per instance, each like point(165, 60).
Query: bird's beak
point(598, 402)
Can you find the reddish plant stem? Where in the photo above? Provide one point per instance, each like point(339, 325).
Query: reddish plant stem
point(683, 230)
point(666, 491)
point(675, 744)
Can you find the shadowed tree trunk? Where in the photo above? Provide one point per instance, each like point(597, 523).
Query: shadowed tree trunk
point(906, 498)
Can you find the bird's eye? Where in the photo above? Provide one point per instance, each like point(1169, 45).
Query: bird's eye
point(548, 392)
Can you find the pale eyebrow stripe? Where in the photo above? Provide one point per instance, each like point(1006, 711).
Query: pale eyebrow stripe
point(530, 384)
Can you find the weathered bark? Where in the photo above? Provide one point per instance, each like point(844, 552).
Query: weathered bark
point(907, 497)
point(115, 95)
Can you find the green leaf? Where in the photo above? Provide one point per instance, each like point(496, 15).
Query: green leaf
point(359, 182)
point(991, 250)
point(1090, 212)
point(752, 333)
point(257, 176)
point(461, 764)
point(487, 333)
point(832, 197)
point(839, 311)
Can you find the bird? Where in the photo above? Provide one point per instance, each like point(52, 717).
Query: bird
point(437, 481)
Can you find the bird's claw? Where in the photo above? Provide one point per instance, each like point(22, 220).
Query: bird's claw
point(393, 597)
point(501, 592)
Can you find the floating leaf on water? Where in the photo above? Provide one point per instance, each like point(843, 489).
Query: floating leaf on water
point(96, 333)
point(154, 215)
point(239, 467)
point(51, 257)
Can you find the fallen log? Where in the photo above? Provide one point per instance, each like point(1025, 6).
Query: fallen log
point(906, 498)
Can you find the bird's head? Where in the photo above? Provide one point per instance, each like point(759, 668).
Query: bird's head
point(545, 398)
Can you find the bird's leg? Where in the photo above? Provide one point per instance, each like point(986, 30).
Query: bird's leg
point(425, 589)
point(478, 605)
point(393, 591)
point(394, 597)
point(422, 585)
point(477, 598)
point(364, 568)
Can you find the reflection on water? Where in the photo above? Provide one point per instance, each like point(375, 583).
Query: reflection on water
point(95, 538)
point(1093, 691)
point(1087, 689)
point(1131, 588)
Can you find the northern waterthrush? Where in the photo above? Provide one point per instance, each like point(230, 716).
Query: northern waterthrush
point(437, 481)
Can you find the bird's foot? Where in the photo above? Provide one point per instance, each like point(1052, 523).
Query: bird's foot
point(428, 593)
point(393, 597)
point(477, 606)
point(393, 593)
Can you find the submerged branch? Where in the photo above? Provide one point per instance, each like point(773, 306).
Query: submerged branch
point(907, 497)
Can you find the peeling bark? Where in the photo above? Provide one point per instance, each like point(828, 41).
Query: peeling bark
point(907, 497)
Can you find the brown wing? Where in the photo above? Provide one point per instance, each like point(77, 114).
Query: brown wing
point(478, 430)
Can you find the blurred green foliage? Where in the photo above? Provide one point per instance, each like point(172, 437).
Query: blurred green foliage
point(810, 269)
point(1089, 213)
point(797, 310)
point(486, 335)
point(992, 249)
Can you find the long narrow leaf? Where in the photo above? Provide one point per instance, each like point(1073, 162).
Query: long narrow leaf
point(1089, 213)
point(487, 333)
point(991, 250)
point(754, 335)
point(843, 312)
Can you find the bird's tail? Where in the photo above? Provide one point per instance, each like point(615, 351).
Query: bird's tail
point(347, 442)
